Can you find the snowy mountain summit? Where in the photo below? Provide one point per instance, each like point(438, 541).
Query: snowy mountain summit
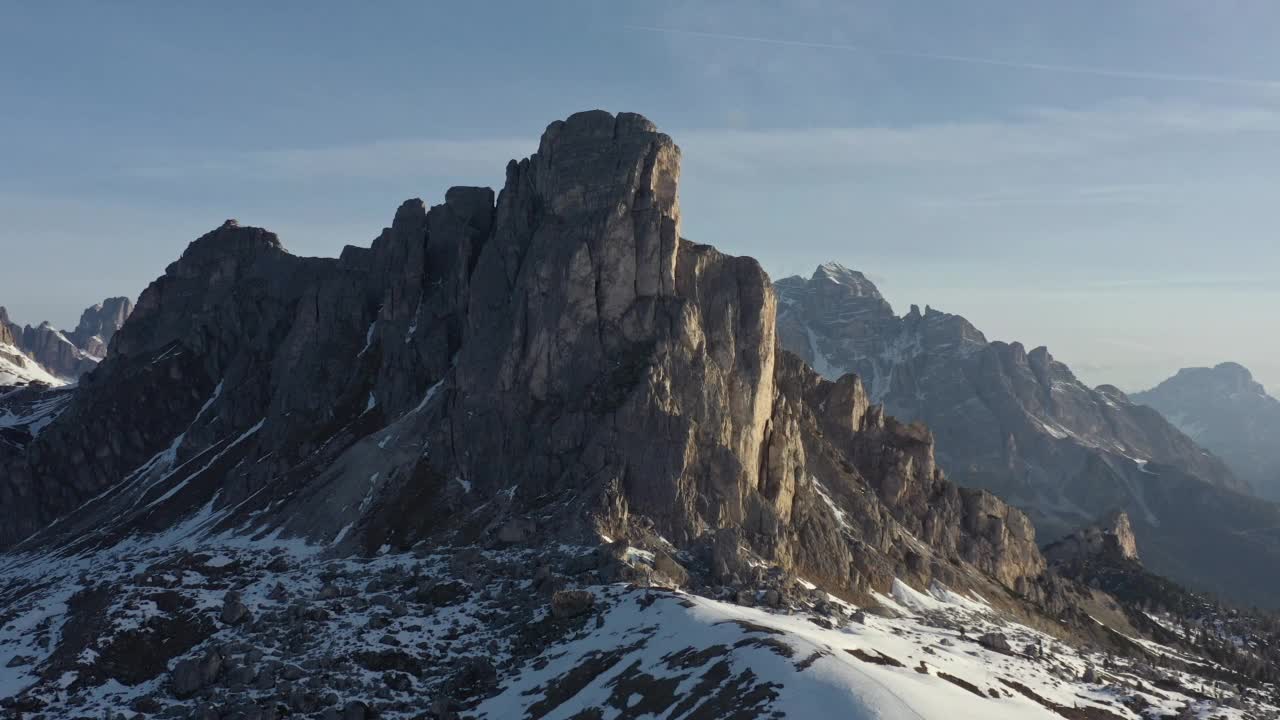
point(531, 454)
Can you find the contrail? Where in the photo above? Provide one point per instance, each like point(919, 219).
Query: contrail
point(968, 59)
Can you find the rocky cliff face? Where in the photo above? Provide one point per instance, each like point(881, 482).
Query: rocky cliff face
point(7, 334)
point(1020, 424)
point(1224, 409)
point(99, 323)
point(1111, 540)
point(55, 352)
point(558, 361)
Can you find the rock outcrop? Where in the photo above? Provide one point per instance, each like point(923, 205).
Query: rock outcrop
point(1111, 540)
point(99, 323)
point(560, 356)
point(1224, 409)
point(8, 334)
point(55, 352)
point(1020, 424)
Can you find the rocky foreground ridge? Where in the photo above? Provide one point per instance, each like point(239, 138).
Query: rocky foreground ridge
point(398, 483)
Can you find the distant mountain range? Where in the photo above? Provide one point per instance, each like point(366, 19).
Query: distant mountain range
point(59, 357)
point(1226, 411)
point(1020, 424)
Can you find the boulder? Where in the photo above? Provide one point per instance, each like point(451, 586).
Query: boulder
point(996, 642)
point(234, 611)
point(194, 674)
point(669, 567)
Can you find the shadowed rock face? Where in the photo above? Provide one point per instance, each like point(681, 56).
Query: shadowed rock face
point(559, 354)
point(1224, 409)
point(1020, 424)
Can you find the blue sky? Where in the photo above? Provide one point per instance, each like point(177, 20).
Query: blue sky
point(1095, 176)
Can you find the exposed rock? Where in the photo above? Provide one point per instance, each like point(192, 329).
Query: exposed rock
point(99, 323)
point(233, 609)
point(55, 352)
point(669, 567)
point(1111, 540)
point(997, 642)
point(192, 675)
point(571, 603)
point(9, 331)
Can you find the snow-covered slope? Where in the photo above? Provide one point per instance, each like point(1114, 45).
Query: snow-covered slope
point(18, 369)
point(282, 625)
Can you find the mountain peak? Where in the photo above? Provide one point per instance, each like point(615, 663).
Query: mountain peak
point(594, 126)
point(1228, 412)
point(231, 239)
point(852, 279)
point(1234, 370)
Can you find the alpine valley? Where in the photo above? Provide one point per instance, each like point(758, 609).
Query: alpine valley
point(533, 454)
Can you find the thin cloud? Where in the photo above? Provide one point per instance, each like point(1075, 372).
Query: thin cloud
point(973, 60)
point(1032, 139)
point(485, 157)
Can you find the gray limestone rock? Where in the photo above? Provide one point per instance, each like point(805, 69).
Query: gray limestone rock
point(99, 323)
point(1111, 540)
point(55, 352)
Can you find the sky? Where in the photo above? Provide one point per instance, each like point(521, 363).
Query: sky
point(1098, 176)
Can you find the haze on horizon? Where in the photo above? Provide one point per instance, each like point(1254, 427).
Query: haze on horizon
point(1097, 177)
